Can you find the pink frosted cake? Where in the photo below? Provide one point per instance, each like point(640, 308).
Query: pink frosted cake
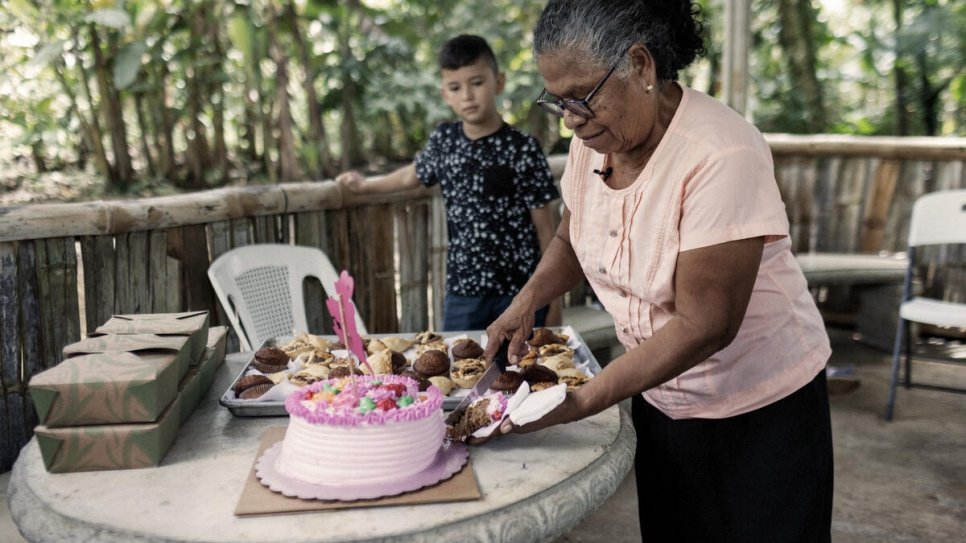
point(388, 431)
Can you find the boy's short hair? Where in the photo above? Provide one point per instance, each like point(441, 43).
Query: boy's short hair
point(464, 50)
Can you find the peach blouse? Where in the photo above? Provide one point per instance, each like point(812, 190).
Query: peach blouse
point(711, 180)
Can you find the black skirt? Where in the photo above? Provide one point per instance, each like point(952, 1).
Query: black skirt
point(763, 476)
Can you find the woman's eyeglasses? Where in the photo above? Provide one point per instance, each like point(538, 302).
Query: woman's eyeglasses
point(581, 108)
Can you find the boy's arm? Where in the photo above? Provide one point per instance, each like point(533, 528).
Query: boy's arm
point(402, 179)
point(542, 218)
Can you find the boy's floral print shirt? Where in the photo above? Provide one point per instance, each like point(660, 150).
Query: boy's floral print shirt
point(489, 186)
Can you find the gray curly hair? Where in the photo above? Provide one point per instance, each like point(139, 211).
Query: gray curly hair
point(600, 32)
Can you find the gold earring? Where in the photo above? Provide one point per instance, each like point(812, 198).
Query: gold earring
point(649, 88)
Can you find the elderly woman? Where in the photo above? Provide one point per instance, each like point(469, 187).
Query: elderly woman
point(674, 217)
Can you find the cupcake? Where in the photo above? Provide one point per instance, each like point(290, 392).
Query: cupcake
point(432, 363)
point(270, 360)
point(466, 348)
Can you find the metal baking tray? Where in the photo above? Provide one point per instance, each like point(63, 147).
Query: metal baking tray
point(256, 408)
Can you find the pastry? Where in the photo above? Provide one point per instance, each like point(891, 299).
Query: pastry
point(380, 363)
point(466, 348)
point(572, 377)
point(423, 338)
point(396, 343)
point(309, 375)
point(270, 360)
point(465, 373)
point(432, 346)
point(508, 381)
point(314, 357)
point(554, 349)
point(432, 363)
point(398, 361)
point(375, 345)
point(542, 385)
point(307, 343)
point(443, 383)
point(528, 359)
point(536, 373)
point(339, 372)
point(558, 362)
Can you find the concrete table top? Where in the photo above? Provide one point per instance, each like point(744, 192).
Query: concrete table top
point(535, 488)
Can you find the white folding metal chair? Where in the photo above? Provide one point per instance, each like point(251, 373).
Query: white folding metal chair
point(937, 218)
point(260, 288)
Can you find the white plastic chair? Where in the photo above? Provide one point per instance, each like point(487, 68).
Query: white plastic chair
point(260, 288)
point(937, 218)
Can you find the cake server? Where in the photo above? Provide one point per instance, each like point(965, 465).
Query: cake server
point(492, 372)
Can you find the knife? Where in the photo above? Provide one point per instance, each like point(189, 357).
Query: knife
point(492, 372)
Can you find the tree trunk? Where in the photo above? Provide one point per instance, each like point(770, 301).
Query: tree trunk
point(90, 130)
point(901, 79)
point(352, 153)
point(113, 116)
point(325, 166)
point(166, 157)
point(796, 37)
point(196, 134)
point(145, 130)
point(288, 166)
point(218, 101)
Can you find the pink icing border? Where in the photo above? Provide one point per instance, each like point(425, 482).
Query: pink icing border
point(416, 411)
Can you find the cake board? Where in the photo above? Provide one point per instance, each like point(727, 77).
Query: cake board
point(257, 499)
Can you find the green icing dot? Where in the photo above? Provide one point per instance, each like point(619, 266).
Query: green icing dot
point(366, 405)
point(405, 400)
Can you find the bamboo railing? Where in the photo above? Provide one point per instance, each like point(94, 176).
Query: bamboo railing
point(66, 268)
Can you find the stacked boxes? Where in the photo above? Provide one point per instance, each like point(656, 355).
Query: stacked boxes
point(119, 397)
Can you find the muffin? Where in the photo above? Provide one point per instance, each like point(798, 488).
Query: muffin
point(270, 360)
point(543, 336)
point(431, 363)
point(466, 348)
point(249, 381)
point(536, 373)
point(508, 381)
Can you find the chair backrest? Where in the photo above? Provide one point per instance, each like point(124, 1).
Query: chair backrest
point(260, 288)
point(938, 217)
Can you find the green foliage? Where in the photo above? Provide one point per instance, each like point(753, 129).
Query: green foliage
point(199, 80)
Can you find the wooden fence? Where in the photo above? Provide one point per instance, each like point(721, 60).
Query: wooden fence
point(152, 255)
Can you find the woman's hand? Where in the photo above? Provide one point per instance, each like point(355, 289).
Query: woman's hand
point(568, 411)
point(514, 325)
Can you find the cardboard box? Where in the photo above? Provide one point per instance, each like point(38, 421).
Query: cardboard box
point(176, 346)
point(109, 446)
point(217, 341)
point(105, 388)
point(193, 324)
point(194, 385)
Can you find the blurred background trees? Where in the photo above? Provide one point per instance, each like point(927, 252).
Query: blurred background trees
point(198, 94)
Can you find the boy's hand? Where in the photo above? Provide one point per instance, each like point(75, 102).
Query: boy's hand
point(352, 180)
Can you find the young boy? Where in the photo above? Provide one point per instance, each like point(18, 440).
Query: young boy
point(496, 185)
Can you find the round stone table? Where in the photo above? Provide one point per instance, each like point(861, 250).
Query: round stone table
point(535, 487)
